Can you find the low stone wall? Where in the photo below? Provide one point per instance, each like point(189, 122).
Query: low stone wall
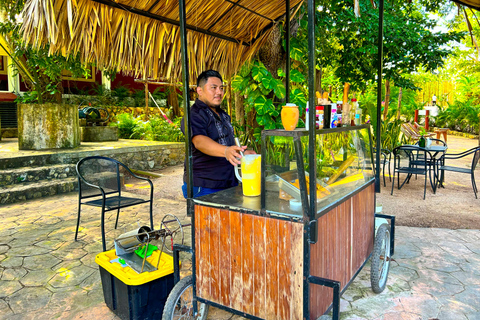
point(166, 155)
point(53, 172)
point(98, 134)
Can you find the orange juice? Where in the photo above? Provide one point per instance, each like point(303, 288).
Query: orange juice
point(251, 165)
point(290, 116)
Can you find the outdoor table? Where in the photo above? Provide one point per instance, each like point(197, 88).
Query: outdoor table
point(431, 164)
point(436, 149)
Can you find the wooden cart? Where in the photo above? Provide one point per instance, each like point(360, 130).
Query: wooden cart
point(260, 258)
point(266, 257)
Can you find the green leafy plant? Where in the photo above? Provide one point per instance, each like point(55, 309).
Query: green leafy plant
point(129, 127)
point(158, 129)
point(422, 131)
point(266, 94)
point(40, 69)
point(155, 129)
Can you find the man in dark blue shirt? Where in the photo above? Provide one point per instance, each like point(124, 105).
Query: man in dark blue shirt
point(214, 152)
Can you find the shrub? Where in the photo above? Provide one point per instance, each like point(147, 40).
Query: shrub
point(155, 129)
point(129, 127)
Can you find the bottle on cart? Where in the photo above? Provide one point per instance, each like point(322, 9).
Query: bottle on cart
point(339, 113)
point(307, 125)
point(319, 117)
point(353, 111)
point(327, 116)
point(358, 115)
point(334, 117)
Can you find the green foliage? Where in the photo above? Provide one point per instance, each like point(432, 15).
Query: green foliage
point(266, 94)
point(40, 70)
point(158, 129)
point(460, 115)
point(155, 129)
point(128, 126)
point(348, 44)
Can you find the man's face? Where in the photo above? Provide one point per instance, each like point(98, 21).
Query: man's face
point(212, 92)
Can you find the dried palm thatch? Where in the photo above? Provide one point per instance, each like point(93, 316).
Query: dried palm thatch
point(474, 4)
point(143, 36)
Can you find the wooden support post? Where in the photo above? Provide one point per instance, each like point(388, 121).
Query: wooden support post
point(146, 100)
point(427, 118)
point(416, 116)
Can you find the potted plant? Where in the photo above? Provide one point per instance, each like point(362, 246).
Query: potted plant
point(44, 122)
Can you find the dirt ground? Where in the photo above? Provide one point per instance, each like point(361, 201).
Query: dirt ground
point(452, 207)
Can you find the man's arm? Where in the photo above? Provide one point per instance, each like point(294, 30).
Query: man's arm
point(214, 149)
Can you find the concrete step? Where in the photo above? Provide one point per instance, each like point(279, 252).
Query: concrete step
point(34, 174)
point(30, 190)
point(37, 160)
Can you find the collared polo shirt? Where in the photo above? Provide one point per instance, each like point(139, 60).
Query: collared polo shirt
point(208, 171)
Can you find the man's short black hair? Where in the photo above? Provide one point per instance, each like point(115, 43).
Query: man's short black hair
point(203, 77)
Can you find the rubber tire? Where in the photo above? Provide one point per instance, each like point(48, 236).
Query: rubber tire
point(380, 267)
point(178, 290)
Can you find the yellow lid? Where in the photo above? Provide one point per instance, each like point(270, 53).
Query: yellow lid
point(129, 276)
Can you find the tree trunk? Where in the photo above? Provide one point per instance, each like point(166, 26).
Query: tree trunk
point(147, 99)
point(318, 81)
point(271, 54)
point(172, 100)
point(229, 98)
point(387, 99)
point(250, 128)
point(239, 109)
point(399, 104)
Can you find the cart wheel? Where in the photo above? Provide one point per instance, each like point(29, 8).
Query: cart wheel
point(179, 303)
point(380, 259)
point(173, 225)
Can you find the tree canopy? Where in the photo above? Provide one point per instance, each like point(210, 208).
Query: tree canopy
point(348, 44)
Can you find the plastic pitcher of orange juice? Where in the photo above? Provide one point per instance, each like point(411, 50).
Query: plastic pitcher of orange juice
point(251, 175)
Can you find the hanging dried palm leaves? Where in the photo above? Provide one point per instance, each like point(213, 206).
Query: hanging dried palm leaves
point(134, 36)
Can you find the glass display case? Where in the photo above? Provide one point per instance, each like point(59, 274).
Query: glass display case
point(343, 165)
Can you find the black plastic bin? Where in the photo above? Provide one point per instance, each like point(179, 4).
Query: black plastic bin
point(133, 296)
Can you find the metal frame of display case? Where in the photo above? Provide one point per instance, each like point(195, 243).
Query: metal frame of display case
point(296, 135)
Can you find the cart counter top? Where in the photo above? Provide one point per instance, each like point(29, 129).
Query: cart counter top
point(234, 199)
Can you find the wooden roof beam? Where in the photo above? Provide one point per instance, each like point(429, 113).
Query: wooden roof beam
point(237, 4)
point(167, 20)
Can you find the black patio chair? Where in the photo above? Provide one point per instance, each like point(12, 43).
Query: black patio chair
point(100, 182)
point(385, 159)
point(412, 165)
point(451, 156)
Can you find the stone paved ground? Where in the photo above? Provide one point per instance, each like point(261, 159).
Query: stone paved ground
point(44, 274)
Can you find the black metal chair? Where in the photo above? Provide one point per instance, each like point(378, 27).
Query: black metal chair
point(385, 159)
point(100, 182)
point(451, 156)
point(424, 165)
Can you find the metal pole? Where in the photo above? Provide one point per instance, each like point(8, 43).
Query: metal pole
point(186, 98)
point(379, 94)
point(188, 134)
point(287, 48)
point(311, 158)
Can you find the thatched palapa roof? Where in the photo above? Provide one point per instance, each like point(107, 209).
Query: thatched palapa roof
point(143, 36)
point(475, 4)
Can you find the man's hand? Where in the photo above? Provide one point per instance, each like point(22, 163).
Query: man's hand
point(212, 148)
point(232, 154)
